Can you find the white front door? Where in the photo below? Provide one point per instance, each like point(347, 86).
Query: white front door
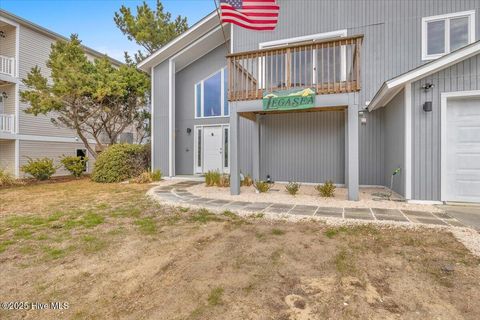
point(463, 150)
point(213, 151)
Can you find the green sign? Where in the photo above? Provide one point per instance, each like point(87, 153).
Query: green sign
point(293, 99)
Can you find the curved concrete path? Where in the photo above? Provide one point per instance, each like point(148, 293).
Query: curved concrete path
point(178, 194)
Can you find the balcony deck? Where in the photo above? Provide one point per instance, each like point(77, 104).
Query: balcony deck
point(329, 67)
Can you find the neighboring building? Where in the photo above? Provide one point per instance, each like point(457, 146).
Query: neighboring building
point(23, 45)
point(397, 86)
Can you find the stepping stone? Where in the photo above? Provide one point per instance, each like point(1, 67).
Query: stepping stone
point(258, 206)
point(237, 205)
point(303, 210)
point(216, 203)
point(442, 215)
point(329, 212)
point(428, 221)
point(387, 212)
point(391, 217)
point(358, 213)
point(202, 200)
point(413, 213)
point(279, 208)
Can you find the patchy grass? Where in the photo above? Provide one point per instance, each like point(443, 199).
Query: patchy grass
point(215, 296)
point(109, 243)
point(277, 232)
point(146, 225)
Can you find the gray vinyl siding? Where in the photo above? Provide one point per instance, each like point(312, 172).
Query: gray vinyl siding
point(52, 150)
point(185, 81)
point(160, 154)
point(7, 155)
point(34, 51)
point(392, 45)
point(395, 142)
point(9, 103)
point(426, 130)
point(7, 48)
point(303, 147)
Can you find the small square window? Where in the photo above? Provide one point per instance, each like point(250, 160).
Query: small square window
point(446, 33)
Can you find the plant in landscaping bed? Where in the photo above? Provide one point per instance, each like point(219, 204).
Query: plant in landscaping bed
point(40, 169)
point(326, 190)
point(75, 165)
point(6, 178)
point(148, 177)
point(262, 186)
point(212, 178)
point(292, 188)
point(247, 181)
point(156, 175)
point(120, 162)
point(224, 181)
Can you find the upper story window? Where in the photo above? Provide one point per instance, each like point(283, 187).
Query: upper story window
point(211, 96)
point(446, 33)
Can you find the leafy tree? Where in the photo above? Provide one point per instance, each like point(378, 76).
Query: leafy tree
point(95, 99)
point(149, 28)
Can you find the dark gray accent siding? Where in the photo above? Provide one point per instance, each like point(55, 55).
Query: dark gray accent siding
point(160, 118)
point(185, 81)
point(426, 130)
point(392, 46)
point(395, 142)
point(304, 147)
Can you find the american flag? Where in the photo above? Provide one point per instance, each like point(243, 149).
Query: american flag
point(250, 14)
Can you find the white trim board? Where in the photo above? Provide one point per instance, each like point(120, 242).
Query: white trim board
point(443, 135)
point(391, 87)
point(27, 137)
point(152, 117)
point(408, 141)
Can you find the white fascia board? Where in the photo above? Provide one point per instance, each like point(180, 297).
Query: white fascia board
point(423, 71)
point(162, 53)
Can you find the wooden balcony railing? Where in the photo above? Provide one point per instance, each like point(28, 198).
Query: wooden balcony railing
point(7, 123)
point(331, 66)
point(7, 65)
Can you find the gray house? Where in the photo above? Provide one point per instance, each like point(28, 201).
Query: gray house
point(347, 91)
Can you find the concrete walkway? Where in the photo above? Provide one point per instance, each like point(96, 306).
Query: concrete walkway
point(177, 194)
point(467, 215)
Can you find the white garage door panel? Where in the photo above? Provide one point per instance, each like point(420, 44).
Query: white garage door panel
point(463, 150)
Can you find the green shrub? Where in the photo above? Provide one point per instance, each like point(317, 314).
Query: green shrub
point(326, 190)
point(292, 188)
point(247, 181)
point(40, 169)
point(75, 165)
point(262, 186)
point(156, 175)
point(212, 178)
point(6, 178)
point(120, 162)
point(224, 181)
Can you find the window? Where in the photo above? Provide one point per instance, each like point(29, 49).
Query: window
point(199, 149)
point(211, 98)
point(225, 147)
point(303, 68)
point(446, 33)
point(82, 153)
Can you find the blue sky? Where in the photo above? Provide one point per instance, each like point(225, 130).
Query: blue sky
point(93, 19)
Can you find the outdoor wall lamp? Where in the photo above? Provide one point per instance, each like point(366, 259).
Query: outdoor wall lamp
point(427, 106)
point(427, 86)
point(189, 131)
point(2, 34)
point(4, 95)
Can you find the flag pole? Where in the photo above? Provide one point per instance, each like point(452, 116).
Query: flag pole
point(221, 25)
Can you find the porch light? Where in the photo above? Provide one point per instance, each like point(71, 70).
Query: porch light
point(4, 95)
point(427, 106)
point(189, 131)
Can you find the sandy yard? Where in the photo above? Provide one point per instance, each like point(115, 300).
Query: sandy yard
point(309, 196)
point(112, 254)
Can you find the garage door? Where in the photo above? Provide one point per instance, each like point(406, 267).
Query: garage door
point(463, 150)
